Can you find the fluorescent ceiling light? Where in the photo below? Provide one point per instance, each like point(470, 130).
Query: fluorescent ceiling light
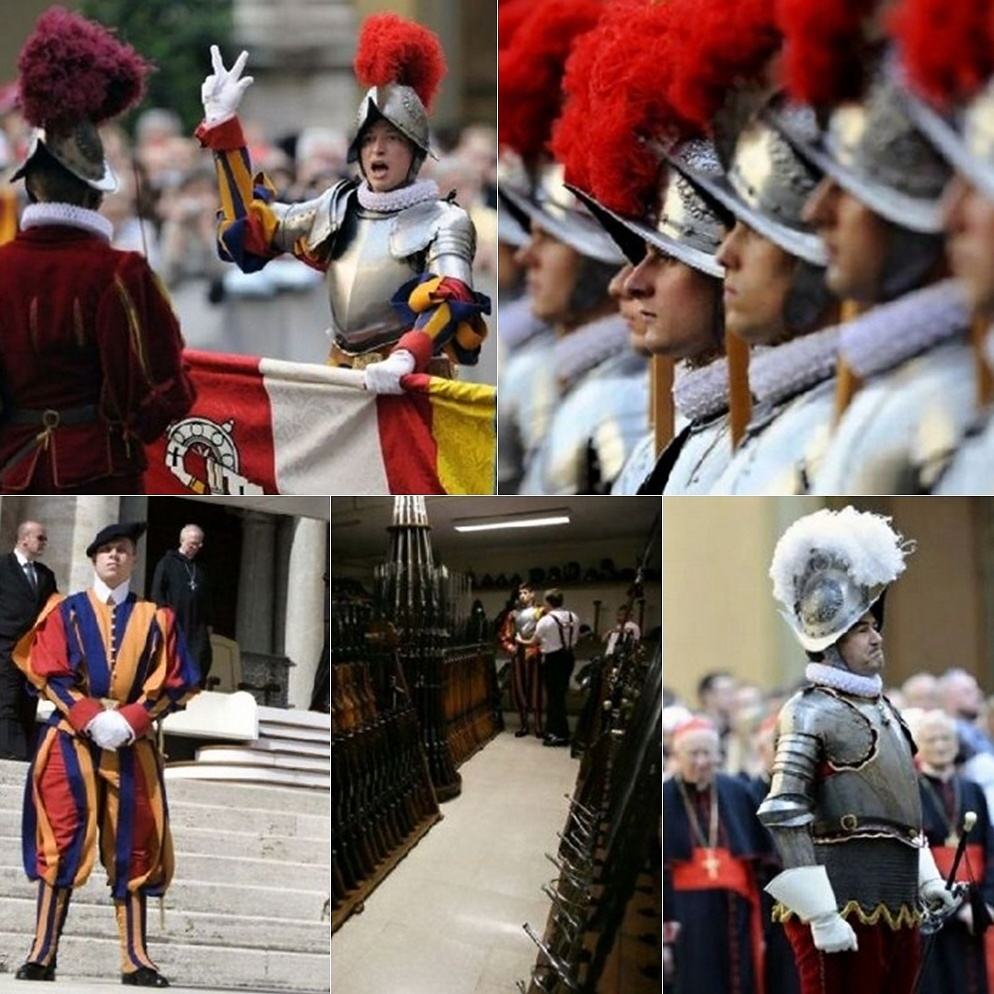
point(543, 520)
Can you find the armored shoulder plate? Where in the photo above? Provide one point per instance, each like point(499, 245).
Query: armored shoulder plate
point(441, 229)
point(846, 736)
point(315, 220)
point(331, 209)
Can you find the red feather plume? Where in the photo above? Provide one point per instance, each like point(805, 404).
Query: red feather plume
point(824, 48)
point(615, 86)
point(72, 68)
point(530, 72)
point(392, 49)
point(511, 14)
point(947, 48)
point(625, 115)
point(722, 45)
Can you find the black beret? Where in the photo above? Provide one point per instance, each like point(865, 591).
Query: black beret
point(123, 529)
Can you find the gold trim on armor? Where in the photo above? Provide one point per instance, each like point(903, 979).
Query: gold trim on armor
point(905, 918)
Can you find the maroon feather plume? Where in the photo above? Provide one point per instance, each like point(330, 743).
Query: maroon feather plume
point(392, 49)
point(530, 72)
point(72, 68)
point(825, 48)
point(722, 45)
point(947, 48)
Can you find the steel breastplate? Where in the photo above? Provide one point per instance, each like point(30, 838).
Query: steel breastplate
point(362, 277)
point(875, 793)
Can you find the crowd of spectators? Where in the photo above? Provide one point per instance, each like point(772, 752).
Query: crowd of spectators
point(745, 716)
point(167, 199)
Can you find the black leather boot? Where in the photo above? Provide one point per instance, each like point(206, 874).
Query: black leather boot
point(36, 971)
point(144, 977)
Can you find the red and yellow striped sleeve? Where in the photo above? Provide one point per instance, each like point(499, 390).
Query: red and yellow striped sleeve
point(173, 677)
point(42, 655)
point(247, 221)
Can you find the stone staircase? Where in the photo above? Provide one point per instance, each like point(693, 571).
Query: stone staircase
point(248, 907)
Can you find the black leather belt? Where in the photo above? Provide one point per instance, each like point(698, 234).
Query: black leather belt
point(51, 418)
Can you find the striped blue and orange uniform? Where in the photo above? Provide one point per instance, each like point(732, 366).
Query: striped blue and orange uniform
point(86, 656)
point(445, 315)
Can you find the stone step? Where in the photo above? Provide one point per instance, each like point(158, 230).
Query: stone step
point(184, 964)
point(221, 869)
point(207, 841)
point(222, 818)
point(187, 927)
point(294, 717)
point(259, 798)
point(250, 756)
point(272, 731)
point(298, 748)
point(249, 773)
point(191, 895)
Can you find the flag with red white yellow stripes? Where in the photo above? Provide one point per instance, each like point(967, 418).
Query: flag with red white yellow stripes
point(262, 426)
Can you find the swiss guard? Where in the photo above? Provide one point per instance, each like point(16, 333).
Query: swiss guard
point(90, 362)
point(844, 806)
point(112, 664)
point(397, 256)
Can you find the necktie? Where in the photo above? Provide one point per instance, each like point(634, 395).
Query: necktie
point(29, 568)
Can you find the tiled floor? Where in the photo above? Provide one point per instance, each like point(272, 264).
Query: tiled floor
point(448, 919)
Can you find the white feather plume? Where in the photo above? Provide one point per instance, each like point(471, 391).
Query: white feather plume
point(873, 551)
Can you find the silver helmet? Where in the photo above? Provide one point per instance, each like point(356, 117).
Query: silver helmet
point(554, 207)
point(766, 183)
point(688, 228)
point(400, 106)
point(78, 149)
point(875, 151)
point(965, 138)
point(829, 568)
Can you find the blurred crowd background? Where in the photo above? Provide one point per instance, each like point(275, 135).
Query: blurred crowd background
point(297, 117)
point(730, 656)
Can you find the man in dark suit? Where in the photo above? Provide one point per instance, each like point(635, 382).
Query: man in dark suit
point(25, 586)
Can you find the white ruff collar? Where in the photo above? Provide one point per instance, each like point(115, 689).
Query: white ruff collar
point(701, 393)
point(516, 324)
point(588, 346)
point(40, 215)
point(399, 199)
point(887, 335)
point(848, 683)
point(784, 371)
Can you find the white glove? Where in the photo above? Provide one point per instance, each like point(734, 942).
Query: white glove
point(222, 91)
point(110, 730)
point(931, 886)
point(807, 891)
point(384, 377)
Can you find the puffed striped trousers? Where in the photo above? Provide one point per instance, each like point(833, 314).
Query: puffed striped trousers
point(73, 787)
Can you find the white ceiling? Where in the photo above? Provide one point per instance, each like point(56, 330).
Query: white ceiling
point(359, 524)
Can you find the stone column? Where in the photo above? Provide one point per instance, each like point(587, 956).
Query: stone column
point(254, 624)
point(91, 514)
point(285, 528)
point(305, 613)
point(135, 508)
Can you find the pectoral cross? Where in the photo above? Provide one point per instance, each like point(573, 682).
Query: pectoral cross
point(193, 584)
point(953, 840)
point(711, 862)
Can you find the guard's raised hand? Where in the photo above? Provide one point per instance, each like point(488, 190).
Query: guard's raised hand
point(222, 91)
